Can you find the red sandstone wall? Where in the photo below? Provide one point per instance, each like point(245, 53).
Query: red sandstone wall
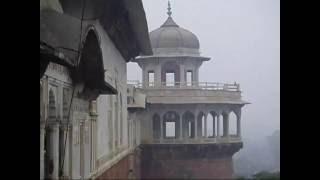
point(195, 169)
point(121, 169)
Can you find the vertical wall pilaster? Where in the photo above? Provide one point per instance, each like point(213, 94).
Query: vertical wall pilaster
point(218, 125)
point(42, 151)
point(55, 150)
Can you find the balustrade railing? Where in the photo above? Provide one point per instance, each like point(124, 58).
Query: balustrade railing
point(199, 140)
point(187, 85)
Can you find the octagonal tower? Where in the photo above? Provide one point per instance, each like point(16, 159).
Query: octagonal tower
point(185, 123)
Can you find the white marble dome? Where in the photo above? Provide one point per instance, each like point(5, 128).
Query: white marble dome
point(172, 39)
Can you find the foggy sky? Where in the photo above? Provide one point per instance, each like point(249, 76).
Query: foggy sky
point(242, 37)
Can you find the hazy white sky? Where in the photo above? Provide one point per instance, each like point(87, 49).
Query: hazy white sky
point(243, 39)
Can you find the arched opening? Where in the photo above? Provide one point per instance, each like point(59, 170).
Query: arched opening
point(170, 125)
point(91, 70)
point(210, 122)
point(156, 126)
point(233, 124)
point(170, 74)
point(213, 126)
point(200, 124)
point(189, 78)
point(188, 124)
point(151, 78)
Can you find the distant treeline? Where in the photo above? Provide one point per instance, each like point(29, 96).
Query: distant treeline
point(263, 176)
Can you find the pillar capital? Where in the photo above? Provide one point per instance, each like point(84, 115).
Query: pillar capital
point(42, 124)
point(64, 126)
point(53, 125)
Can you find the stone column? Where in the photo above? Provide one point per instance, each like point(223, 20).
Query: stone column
point(195, 74)
point(218, 126)
point(161, 129)
point(55, 150)
point(42, 151)
point(144, 76)
point(93, 140)
point(65, 150)
point(239, 124)
point(182, 75)
point(205, 125)
point(214, 125)
point(226, 125)
point(181, 127)
point(93, 148)
point(157, 75)
point(195, 126)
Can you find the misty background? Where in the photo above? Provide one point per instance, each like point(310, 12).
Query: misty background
point(242, 37)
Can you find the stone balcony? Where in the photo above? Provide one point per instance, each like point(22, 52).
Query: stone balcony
point(201, 140)
point(189, 93)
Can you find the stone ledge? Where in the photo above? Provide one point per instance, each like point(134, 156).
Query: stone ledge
point(190, 151)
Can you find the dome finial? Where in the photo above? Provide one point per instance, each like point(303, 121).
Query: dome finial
point(169, 9)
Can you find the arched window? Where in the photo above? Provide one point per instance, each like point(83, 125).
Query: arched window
point(188, 124)
point(189, 78)
point(91, 69)
point(210, 123)
point(151, 78)
point(225, 117)
point(170, 73)
point(200, 124)
point(170, 124)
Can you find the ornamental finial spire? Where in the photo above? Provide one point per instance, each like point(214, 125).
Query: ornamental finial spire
point(169, 9)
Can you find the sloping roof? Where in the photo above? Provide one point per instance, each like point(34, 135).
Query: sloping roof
point(123, 20)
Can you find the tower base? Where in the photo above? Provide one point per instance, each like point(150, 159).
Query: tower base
point(196, 161)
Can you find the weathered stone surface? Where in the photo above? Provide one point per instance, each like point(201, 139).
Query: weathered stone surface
point(188, 161)
point(127, 167)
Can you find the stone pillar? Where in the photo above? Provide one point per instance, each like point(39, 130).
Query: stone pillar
point(182, 75)
point(144, 76)
point(226, 125)
point(65, 150)
point(239, 124)
point(214, 125)
point(218, 126)
point(93, 142)
point(195, 126)
point(205, 125)
point(195, 74)
point(55, 150)
point(181, 127)
point(42, 151)
point(161, 129)
point(157, 75)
